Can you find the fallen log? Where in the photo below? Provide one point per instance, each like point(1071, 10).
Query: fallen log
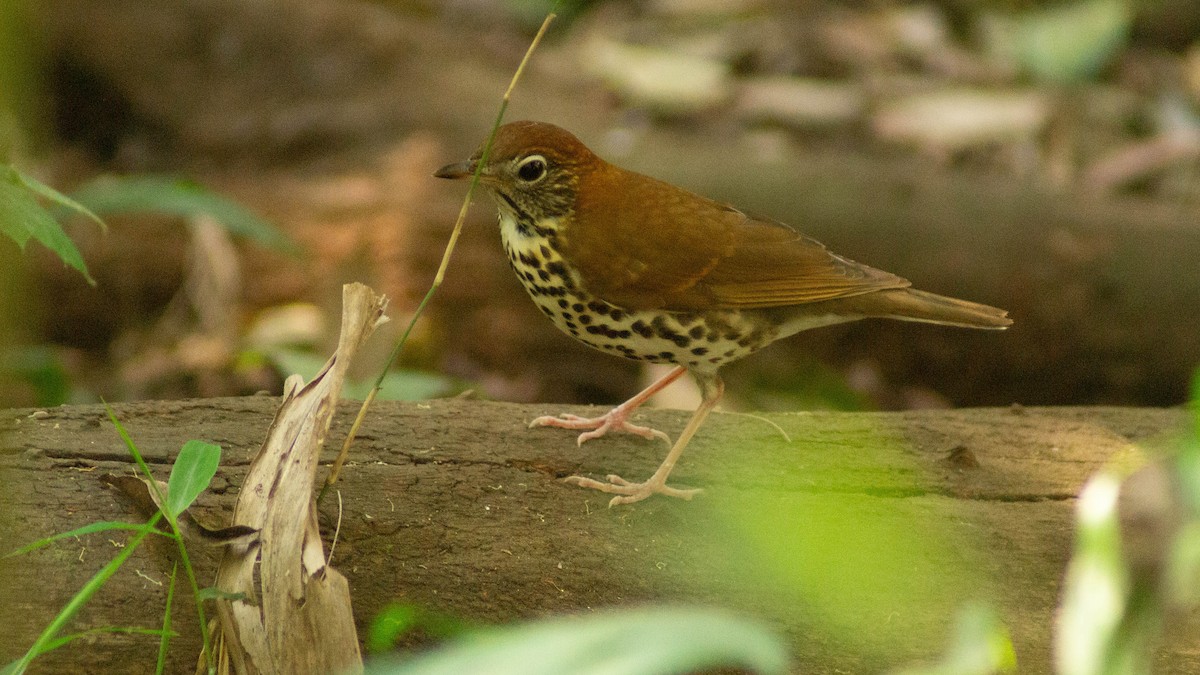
point(859, 539)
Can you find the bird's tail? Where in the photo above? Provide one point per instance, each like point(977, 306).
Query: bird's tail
point(909, 304)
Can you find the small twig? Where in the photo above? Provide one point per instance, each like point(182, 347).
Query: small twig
point(760, 418)
point(441, 273)
point(337, 530)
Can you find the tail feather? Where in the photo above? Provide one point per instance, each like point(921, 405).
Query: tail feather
point(907, 304)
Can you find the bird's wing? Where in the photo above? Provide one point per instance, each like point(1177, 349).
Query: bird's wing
point(656, 246)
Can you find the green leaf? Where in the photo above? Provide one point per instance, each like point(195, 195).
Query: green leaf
point(178, 197)
point(193, 470)
point(23, 218)
point(980, 646)
point(214, 593)
point(41, 368)
point(399, 384)
point(59, 198)
point(1071, 42)
point(1195, 405)
point(1095, 592)
point(397, 619)
point(631, 642)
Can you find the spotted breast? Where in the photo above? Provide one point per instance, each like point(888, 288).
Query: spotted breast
point(698, 340)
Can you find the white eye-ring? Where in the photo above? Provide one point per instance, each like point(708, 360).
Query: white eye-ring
point(531, 169)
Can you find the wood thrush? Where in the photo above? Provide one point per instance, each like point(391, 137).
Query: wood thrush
point(639, 268)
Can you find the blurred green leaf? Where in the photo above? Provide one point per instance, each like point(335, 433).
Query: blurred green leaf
point(59, 198)
point(178, 197)
point(630, 642)
point(1071, 42)
point(40, 368)
point(193, 470)
point(980, 646)
point(865, 568)
point(213, 593)
point(1195, 406)
point(398, 385)
point(1183, 573)
point(23, 218)
point(397, 619)
point(1097, 584)
point(1183, 570)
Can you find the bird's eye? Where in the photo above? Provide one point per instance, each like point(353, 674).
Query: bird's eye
point(532, 169)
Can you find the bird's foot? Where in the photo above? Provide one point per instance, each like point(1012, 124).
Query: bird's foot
point(616, 419)
point(628, 493)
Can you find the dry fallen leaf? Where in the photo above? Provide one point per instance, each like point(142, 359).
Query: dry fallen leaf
point(297, 617)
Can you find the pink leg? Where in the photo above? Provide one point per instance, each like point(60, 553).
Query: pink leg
point(616, 419)
point(711, 387)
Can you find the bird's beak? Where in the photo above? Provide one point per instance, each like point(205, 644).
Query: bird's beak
point(457, 170)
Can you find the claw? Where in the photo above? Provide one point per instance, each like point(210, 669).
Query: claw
point(628, 492)
point(614, 420)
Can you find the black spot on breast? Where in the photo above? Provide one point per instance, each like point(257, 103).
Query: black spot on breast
point(545, 250)
point(562, 302)
point(546, 310)
point(642, 329)
point(700, 351)
point(659, 324)
point(543, 275)
point(578, 307)
point(585, 319)
point(616, 314)
point(696, 331)
point(556, 268)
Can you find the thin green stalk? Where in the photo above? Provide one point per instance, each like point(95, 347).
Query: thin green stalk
point(441, 272)
point(166, 629)
point(176, 534)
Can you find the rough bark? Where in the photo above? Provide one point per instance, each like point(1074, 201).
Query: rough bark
point(454, 505)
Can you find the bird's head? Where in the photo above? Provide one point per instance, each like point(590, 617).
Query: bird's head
point(533, 170)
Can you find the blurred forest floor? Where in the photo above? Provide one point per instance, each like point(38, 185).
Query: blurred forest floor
point(1041, 159)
